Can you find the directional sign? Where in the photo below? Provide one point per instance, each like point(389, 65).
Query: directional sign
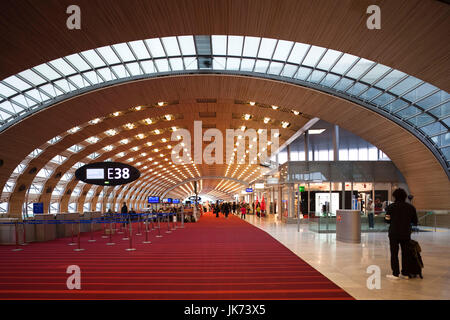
point(107, 173)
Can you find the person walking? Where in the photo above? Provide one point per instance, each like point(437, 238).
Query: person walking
point(124, 213)
point(370, 210)
point(400, 215)
point(243, 211)
point(226, 209)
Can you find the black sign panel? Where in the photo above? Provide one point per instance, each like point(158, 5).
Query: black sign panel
point(107, 173)
point(193, 198)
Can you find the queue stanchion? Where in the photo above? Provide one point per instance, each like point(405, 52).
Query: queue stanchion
point(127, 236)
point(139, 226)
point(72, 243)
point(182, 220)
point(104, 236)
point(174, 218)
point(110, 243)
point(92, 232)
point(79, 240)
point(120, 226)
point(17, 238)
point(168, 223)
point(152, 220)
point(131, 236)
point(24, 243)
point(159, 227)
point(146, 231)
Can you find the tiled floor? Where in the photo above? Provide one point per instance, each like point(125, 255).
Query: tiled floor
point(346, 264)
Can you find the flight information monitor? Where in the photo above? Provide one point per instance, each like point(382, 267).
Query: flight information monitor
point(107, 173)
point(153, 199)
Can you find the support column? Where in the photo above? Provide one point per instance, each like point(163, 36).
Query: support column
point(306, 146)
point(309, 199)
point(343, 196)
point(279, 203)
point(291, 201)
point(336, 143)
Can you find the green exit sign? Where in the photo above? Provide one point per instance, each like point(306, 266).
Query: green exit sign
point(301, 188)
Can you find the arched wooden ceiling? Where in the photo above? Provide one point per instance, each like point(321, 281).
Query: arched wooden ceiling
point(411, 38)
point(426, 178)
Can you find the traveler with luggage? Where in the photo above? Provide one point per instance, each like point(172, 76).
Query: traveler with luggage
point(400, 215)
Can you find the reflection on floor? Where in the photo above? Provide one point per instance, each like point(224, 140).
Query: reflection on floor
point(346, 264)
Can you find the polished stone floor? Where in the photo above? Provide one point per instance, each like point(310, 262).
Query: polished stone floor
point(346, 264)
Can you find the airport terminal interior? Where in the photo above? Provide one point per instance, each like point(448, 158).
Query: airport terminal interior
point(223, 150)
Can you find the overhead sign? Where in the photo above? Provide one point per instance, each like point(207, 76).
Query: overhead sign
point(153, 199)
point(168, 200)
point(249, 190)
point(193, 198)
point(301, 188)
point(107, 173)
point(272, 180)
point(176, 201)
point(38, 207)
point(259, 185)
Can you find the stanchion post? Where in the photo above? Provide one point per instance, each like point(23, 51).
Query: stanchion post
point(146, 231)
point(104, 236)
point(92, 232)
point(182, 219)
point(168, 223)
point(79, 241)
point(139, 225)
point(127, 236)
point(131, 235)
point(24, 243)
point(17, 238)
point(159, 227)
point(110, 243)
point(72, 243)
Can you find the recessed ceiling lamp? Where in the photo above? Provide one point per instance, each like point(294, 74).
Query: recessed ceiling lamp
point(156, 150)
point(111, 132)
point(285, 124)
point(296, 112)
point(95, 121)
point(121, 154)
point(108, 148)
point(243, 128)
point(149, 144)
point(247, 116)
point(164, 140)
point(252, 103)
point(140, 136)
point(174, 128)
point(168, 117)
point(115, 114)
point(275, 107)
point(138, 108)
point(266, 120)
point(135, 148)
point(92, 139)
point(157, 131)
point(73, 130)
point(316, 131)
point(148, 121)
point(161, 103)
point(129, 125)
point(124, 141)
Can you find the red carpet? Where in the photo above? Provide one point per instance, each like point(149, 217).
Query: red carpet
point(215, 258)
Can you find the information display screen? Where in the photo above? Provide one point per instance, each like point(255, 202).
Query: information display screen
point(107, 173)
point(175, 201)
point(168, 200)
point(153, 199)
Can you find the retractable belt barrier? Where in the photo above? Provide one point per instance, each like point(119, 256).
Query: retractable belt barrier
point(112, 220)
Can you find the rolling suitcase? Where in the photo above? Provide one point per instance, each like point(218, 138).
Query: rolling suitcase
point(414, 263)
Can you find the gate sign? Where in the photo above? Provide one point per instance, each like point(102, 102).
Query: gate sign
point(107, 173)
point(193, 198)
point(38, 207)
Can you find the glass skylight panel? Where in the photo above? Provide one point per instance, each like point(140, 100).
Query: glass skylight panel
point(247, 64)
point(92, 77)
point(266, 48)
point(50, 90)
point(432, 100)
point(219, 45)
point(32, 77)
point(261, 66)
point(148, 66)
point(289, 70)
point(391, 78)
point(313, 56)
point(6, 91)
point(302, 73)
point(108, 54)
point(134, 68)
point(446, 153)
point(4, 115)
point(359, 68)
point(421, 119)
point(394, 105)
point(282, 50)
point(251, 45)
point(162, 65)
point(17, 83)
point(328, 59)
point(316, 76)
point(356, 89)
point(93, 58)
point(383, 99)
point(405, 85)
point(124, 52)
point(78, 80)
point(63, 84)
point(441, 111)
point(219, 63)
point(419, 92)
point(106, 74)
point(190, 63)
point(155, 47)
point(408, 112)
point(120, 71)
point(442, 140)
point(176, 64)
point(329, 80)
point(187, 45)
point(78, 62)
point(233, 63)
point(344, 63)
point(343, 84)
point(62, 66)
point(47, 72)
point(298, 52)
point(139, 49)
point(275, 68)
point(235, 44)
point(369, 94)
point(20, 99)
point(375, 73)
point(171, 46)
